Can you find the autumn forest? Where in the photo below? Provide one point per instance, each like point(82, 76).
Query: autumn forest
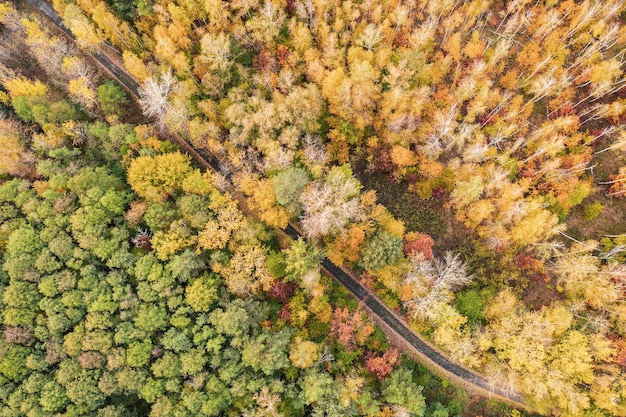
point(177, 178)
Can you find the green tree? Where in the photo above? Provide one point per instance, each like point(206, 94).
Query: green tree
point(112, 98)
point(381, 250)
point(288, 186)
point(267, 352)
point(138, 353)
point(399, 388)
point(300, 258)
point(52, 397)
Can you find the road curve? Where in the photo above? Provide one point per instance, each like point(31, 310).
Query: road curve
point(410, 342)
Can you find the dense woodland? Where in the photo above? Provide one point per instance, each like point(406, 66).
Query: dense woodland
point(492, 132)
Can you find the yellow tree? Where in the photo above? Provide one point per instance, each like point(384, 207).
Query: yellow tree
point(15, 158)
point(87, 36)
point(246, 272)
point(155, 178)
point(262, 199)
point(303, 353)
point(135, 66)
point(218, 232)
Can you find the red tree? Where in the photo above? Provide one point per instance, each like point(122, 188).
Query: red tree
point(423, 244)
point(382, 366)
point(350, 329)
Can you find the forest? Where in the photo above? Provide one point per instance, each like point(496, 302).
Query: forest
point(465, 160)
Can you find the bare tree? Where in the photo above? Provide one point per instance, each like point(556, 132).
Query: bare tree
point(154, 94)
point(434, 281)
point(328, 205)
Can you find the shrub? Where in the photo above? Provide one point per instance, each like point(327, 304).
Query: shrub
point(592, 211)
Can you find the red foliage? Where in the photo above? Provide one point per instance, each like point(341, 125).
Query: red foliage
point(264, 61)
point(282, 291)
point(440, 193)
point(566, 110)
point(412, 177)
point(367, 280)
point(381, 159)
point(620, 350)
point(524, 261)
point(282, 53)
point(382, 366)
point(423, 244)
point(284, 313)
point(401, 39)
point(345, 325)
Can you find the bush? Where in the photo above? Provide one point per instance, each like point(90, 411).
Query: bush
point(592, 211)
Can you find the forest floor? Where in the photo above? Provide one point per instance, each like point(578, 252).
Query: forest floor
point(431, 216)
point(612, 220)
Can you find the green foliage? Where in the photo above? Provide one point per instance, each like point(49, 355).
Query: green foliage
point(53, 397)
point(112, 98)
point(470, 304)
point(159, 216)
point(138, 353)
point(381, 250)
point(13, 361)
point(93, 328)
point(268, 352)
point(399, 388)
point(300, 258)
point(41, 111)
point(276, 264)
point(578, 194)
point(202, 292)
point(194, 210)
point(592, 211)
point(288, 186)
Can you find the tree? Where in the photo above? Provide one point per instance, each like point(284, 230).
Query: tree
point(317, 386)
point(288, 187)
point(350, 329)
point(15, 158)
point(135, 66)
point(381, 366)
point(216, 52)
point(431, 283)
point(112, 98)
point(154, 94)
point(202, 292)
point(246, 273)
point(419, 243)
point(399, 388)
point(218, 232)
point(301, 257)
point(138, 353)
point(381, 250)
point(157, 177)
point(304, 353)
point(329, 204)
point(267, 352)
point(52, 397)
